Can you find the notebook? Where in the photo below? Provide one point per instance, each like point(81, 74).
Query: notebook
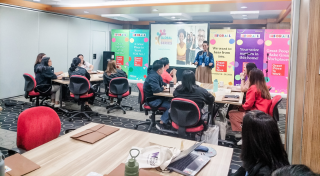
point(19, 165)
point(94, 134)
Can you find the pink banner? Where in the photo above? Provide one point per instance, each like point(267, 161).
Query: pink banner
point(276, 52)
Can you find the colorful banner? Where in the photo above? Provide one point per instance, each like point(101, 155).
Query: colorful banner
point(120, 45)
point(249, 48)
point(138, 54)
point(276, 52)
point(222, 46)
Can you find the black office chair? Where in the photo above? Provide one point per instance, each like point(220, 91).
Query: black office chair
point(32, 90)
point(79, 87)
point(119, 88)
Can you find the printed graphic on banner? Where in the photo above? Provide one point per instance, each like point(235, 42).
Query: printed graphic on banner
point(222, 46)
point(120, 45)
point(249, 48)
point(178, 42)
point(276, 52)
point(139, 54)
point(119, 60)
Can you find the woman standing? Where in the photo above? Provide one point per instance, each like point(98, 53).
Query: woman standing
point(262, 151)
point(181, 48)
point(44, 75)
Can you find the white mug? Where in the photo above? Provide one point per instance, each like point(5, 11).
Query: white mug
point(221, 84)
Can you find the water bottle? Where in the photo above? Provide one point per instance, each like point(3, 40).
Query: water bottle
point(2, 169)
point(215, 85)
point(171, 88)
point(132, 166)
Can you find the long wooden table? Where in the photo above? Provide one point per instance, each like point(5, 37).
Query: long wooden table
point(68, 157)
point(218, 95)
point(93, 78)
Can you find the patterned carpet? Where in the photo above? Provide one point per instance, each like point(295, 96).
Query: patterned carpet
point(9, 117)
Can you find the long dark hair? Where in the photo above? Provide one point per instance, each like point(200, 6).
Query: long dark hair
point(82, 56)
point(250, 66)
point(294, 170)
point(188, 82)
point(75, 62)
point(261, 142)
point(256, 78)
point(43, 64)
point(39, 57)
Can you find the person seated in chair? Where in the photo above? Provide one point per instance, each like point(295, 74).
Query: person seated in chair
point(154, 84)
point(167, 77)
point(112, 71)
point(258, 98)
point(44, 75)
point(84, 64)
point(76, 69)
point(189, 90)
point(262, 150)
point(38, 63)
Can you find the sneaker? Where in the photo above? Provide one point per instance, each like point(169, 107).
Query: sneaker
point(238, 135)
point(162, 126)
point(240, 142)
point(58, 105)
point(87, 108)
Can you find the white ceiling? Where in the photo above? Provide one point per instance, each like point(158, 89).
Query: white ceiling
point(199, 12)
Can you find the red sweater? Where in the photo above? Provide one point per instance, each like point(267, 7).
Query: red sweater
point(254, 101)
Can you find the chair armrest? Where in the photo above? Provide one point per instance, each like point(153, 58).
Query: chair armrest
point(47, 88)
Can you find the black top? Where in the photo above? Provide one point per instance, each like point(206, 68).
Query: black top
point(107, 78)
point(152, 84)
point(258, 170)
point(45, 76)
point(35, 67)
point(200, 96)
point(79, 71)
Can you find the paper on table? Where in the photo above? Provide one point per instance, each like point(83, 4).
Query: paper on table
point(223, 90)
point(166, 142)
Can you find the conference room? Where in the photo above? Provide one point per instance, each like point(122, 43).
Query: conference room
point(179, 87)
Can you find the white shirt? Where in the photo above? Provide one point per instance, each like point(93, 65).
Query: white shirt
point(86, 65)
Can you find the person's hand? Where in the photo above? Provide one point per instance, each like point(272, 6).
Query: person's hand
point(89, 71)
point(196, 63)
point(210, 64)
point(59, 77)
point(242, 75)
point(173, 72)
point(60, 73)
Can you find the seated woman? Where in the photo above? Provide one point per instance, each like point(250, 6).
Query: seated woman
point(84, 64)
point(44, 75)
point(189, 90)
point(76, 69)
point(258, 98)
point(38, 61)
point(245, 83)
point(262, 151)
point(113, 71)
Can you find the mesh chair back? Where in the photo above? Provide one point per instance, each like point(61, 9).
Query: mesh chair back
point(119, 86)
point(184, 112)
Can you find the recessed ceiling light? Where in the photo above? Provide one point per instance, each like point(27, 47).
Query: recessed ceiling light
point(243, 12)
point(244, 7)
point(155, 10)
point(85, 11)
point(244, 15)
point(173, 17)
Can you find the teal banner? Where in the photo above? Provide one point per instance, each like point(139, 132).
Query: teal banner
point(138, 54)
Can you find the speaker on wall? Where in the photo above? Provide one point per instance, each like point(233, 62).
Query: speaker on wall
point(107, 55)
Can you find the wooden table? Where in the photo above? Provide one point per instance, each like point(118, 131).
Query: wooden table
point(218, 96)
point(68, 157)
point(93, 78)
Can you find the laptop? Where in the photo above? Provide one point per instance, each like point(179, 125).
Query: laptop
point(189, 163)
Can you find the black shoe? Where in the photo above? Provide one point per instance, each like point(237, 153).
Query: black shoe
point(163, 126)
point(87, 108)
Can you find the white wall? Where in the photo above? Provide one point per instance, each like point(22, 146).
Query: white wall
point(25, 33)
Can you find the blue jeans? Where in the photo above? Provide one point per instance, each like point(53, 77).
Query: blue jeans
point(165, 104)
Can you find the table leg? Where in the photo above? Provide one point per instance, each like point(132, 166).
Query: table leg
point(60, 95)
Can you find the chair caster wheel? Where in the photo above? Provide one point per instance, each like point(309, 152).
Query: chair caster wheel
point(90, 120)
point(130, 108)
point(124, 112)
point(97, 114)
point(70, 120)
point(108, 112)
point(135, 126)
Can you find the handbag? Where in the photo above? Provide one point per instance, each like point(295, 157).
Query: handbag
point(210, 136)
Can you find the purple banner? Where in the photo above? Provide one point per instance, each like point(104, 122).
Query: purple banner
point(249, 48)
